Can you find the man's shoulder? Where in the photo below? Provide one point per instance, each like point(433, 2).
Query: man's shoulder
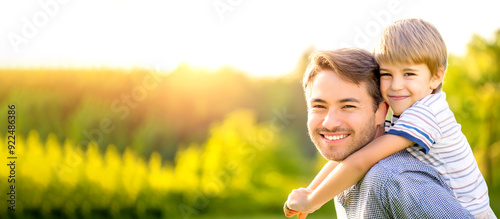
point(400, 186)
point(394, 162)
point(397, 165)
point(401, 173)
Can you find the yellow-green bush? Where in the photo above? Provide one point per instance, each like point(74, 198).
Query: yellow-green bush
point(234, 169)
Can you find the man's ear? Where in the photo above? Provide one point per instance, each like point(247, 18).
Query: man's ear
point(381, 113)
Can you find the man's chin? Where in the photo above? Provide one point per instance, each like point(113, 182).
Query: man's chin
point(332, 156)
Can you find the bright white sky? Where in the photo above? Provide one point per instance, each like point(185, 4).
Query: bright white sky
point(263, 38)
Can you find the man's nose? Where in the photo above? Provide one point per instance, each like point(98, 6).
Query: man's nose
point(332, 120)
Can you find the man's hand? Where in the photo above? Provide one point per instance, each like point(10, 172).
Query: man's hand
point(290, 212)
point(298, 200)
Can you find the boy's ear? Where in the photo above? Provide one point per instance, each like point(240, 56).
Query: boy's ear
point(381, 113)
point(437, 79)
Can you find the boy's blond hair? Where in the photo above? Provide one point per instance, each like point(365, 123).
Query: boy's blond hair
point(412, 41)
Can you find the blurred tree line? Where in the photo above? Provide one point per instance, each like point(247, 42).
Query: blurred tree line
point(192, 142)
point(141, 108)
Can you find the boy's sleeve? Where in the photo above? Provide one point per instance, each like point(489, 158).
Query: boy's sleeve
point(418, 124)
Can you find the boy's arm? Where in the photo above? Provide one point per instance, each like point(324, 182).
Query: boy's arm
point(347, 173)
point(325, 171)
point(320, 177)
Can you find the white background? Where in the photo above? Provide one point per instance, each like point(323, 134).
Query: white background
point(262, 38)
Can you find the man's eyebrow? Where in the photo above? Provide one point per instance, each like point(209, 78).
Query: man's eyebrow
point(318, 100)
point(346, 100)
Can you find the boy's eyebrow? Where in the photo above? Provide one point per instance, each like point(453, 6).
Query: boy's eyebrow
point(404, 69)
point(409, 69)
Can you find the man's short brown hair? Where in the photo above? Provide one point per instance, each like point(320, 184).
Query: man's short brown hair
point(351, 64)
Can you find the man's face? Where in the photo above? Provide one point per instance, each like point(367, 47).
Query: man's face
point(341, 118)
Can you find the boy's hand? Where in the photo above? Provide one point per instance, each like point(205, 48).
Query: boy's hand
point(298, 200)
point(290, 212)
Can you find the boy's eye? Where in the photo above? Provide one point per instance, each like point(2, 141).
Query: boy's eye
point(385, 75)
point(409, 74)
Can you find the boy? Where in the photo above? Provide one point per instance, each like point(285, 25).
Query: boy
point(412, 57)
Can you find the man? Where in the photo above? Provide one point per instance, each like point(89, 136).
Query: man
point(346, 112)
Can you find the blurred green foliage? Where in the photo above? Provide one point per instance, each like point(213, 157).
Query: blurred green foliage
point(102, 143)
point(244, 166)
point(472, 84)
point(144, 109)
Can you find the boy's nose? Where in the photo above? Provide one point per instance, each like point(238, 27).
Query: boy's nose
point(397, 83)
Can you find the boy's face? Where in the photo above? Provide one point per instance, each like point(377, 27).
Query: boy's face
point(402, 85)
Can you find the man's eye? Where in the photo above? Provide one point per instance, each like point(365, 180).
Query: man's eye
point(318, 106)
point(349, 107)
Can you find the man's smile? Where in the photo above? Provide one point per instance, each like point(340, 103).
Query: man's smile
point(333, 137)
